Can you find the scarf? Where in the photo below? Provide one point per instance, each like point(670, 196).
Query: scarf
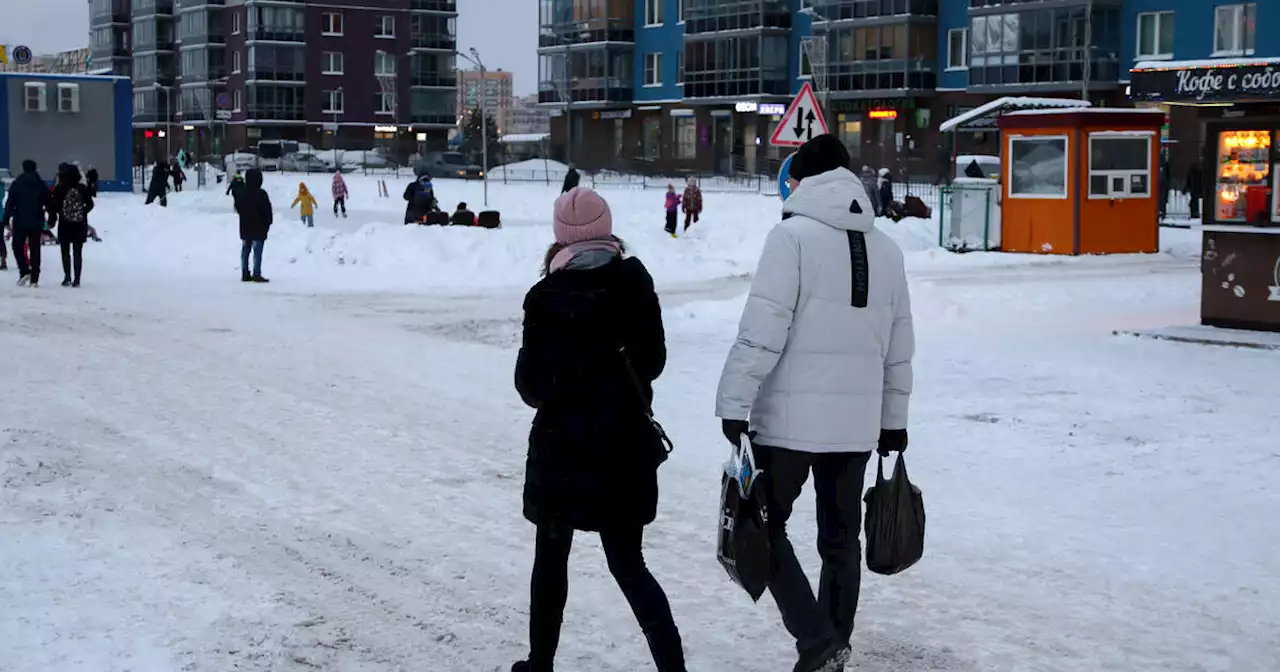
point(566, 255)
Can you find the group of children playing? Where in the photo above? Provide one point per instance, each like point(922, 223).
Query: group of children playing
point(309, 202)
point(691, 201)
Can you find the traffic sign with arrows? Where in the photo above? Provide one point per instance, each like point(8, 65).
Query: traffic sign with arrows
point(802, 122)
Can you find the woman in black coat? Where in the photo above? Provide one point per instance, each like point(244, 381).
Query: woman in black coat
point(591, 464)
point(72, 203)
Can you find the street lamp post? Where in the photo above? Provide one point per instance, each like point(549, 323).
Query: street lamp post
point(484, 121)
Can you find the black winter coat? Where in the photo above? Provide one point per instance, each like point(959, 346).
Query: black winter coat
point(69, 230)
point(590, 464)
point(571, 180)
point(27, 204)
point(159, 179)
point(420, 201)
point(254, 206)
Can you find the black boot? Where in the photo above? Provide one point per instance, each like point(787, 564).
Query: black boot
point(245, 277)
point(259, 278)
point(667, 650)
point(66, 282)
point(828, 659)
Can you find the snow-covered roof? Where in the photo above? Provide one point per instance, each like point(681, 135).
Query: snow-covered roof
point(1204, 63)
point(1091, 110)
point(524, 137)
point(1001, 104)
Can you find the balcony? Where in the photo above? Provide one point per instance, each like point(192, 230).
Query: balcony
point(447, 6)
point(152, 8)
point(277, 112)
point(843, 10)
point(589, 90)
point(283, 76)
point(429, 81)
point(434, 42)
point(740, 15)
point(197, 4)
point(734, 84)
point(276, 34)
point(882, 75)
point(586, 32)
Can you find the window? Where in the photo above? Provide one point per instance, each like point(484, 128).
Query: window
point(35, 97)
point(331, 63)
point(235, 22)
point(680, 68)
point(139, 102)
point(331, 24)
point(68, 97)
point(653, 69)
point(680, 10)
point(653, 12)
point(386, 27)
point(651, 138)
point(235, 61)
point(686, 129)
point(1038, 166)
point(384, 63)
point(1119, 165)
point(333, 102)
point(806, 65)
point(1155, 35)
point(235, 100)
point(384, 103)
point(1234, 29)
point(957, 48)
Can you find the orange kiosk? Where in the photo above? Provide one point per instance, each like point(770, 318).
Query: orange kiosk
point(1080, 181)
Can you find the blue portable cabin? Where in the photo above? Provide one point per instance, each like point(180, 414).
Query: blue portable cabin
point(83, 119)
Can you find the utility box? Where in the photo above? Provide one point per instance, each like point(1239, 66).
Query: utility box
point(970, 215)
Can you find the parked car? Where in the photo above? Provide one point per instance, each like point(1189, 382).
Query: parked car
point(302, 162)
point(451, 164)
point(237, 162)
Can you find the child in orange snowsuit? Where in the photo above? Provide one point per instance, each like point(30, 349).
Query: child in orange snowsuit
point(308, 205)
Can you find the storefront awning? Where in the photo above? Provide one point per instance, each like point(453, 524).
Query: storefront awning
point(1206, 82)
point(984, 115)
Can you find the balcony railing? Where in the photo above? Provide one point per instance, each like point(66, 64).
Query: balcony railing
point(881, 75)
point(277, 112)
point(839, 10)
point(273, 34)
point(267, 74)
point(437, 42)
point(434, 81)
point(722, 21)
point(164, 7)
point(737, 83)
point(115, 16)
point(589, 90)
point(437, 119)
point(587, 32)
point(434, 6)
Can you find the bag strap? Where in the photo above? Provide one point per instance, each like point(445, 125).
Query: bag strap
point(640, 396)
point(880, 470)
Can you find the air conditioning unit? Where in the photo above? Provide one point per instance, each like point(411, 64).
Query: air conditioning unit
point(68, 97)
point(35, 97)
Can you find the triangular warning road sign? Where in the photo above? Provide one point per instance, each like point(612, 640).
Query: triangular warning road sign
point(802, 122)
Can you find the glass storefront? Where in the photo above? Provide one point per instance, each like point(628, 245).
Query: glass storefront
point(1243, 161)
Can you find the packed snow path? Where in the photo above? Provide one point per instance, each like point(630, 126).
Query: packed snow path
point(197, 474)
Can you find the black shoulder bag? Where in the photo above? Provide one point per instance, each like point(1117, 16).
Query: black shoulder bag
point(660, 444)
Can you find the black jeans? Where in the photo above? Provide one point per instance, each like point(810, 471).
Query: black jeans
point(154, 194)
point(837, 481)
point(24, 242)
point(550, 591)
point(340, 203)
point(71, 253)
point(671, 222)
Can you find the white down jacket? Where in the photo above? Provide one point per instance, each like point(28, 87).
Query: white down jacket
point(823, 357)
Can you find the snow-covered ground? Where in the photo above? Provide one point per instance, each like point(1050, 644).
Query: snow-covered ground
point(325, 472)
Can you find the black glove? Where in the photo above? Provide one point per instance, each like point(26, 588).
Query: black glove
point(892, 440)
point(734, 429)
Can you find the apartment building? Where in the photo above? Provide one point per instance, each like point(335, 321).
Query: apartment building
point(527, 117)
point(492, 90)
point(212, 76)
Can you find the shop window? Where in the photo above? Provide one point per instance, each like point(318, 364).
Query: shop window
point(1243, 162)
point(1119, 166)
point(652, 138)
point(35, 97)
point(1038, 166)
point(957, 48)
point(1234, 29)
point(686, 131)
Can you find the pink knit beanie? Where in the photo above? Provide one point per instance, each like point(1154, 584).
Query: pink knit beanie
point(582, 215)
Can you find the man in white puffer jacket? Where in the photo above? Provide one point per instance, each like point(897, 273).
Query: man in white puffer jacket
point(822, 370)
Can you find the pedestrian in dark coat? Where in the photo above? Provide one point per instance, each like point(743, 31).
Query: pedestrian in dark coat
point(571, 180)
point(254, 207)
point(868, 178)
point(159, 186)
point(591, 464)
point(175, 169)
point(1166, 186)
point(1194, 188)
point(91, 182)
point(420, 200)
point(24, 213)
point(73, 202)
point(886, 191)
point(462, 216)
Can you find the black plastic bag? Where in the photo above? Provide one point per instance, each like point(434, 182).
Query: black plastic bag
point(894, 521)
point(743, 546)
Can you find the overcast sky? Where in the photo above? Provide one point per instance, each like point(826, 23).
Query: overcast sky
point(504, 31)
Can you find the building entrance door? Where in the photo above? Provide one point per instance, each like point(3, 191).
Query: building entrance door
point(722, 144)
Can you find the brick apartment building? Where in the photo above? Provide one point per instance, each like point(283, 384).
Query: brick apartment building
point(345, 73)
point(496, 87)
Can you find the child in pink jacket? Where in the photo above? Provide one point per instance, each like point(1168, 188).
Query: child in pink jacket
point(339, 194)
point(673, 209)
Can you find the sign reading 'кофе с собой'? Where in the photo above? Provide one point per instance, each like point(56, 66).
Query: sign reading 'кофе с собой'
point(1200, 84)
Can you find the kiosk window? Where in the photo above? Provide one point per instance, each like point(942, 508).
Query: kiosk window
point(1038, 166)
point(1119, 166)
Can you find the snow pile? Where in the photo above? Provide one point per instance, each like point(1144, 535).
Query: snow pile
point(530, 169)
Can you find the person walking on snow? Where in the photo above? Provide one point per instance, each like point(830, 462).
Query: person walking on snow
point(159, 186)
point(673, 208)
point(24, 214)
point(339, 190)
point(308, 203)
point(571, 180)
point(692, 202)
point(593, 344)
point(254, 207)
point(819, 376)
point(175, 169)
point(73, 201)
point(885, 185)
point(869, 185)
